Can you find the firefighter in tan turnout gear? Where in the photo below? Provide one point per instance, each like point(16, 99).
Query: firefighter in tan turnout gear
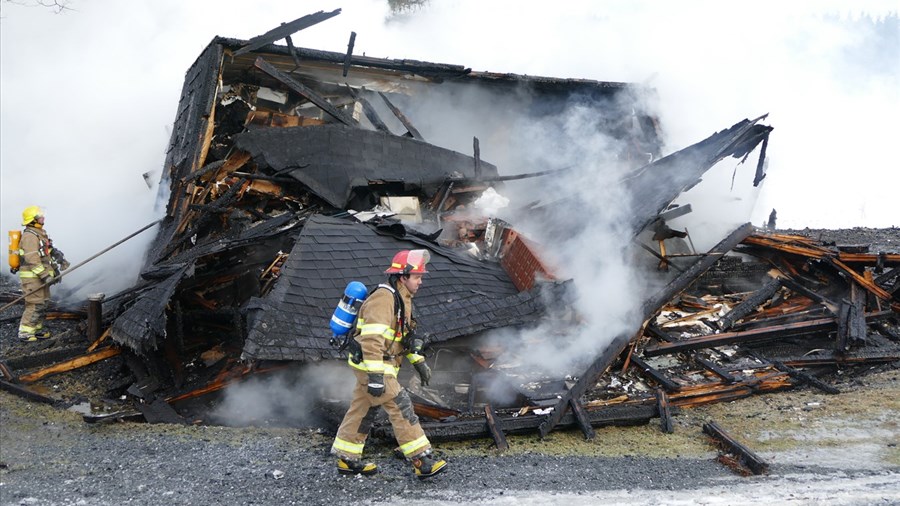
point(39, 266)
point(385, 334)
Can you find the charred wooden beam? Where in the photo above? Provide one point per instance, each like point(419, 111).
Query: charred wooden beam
point(851, 320)
point(656, 375)
point(806, 378)
point(496, 429)
point(95, 316)
point(713, 368)
point(746, 457)
point(349, 55)
point(582, 419)
point(306, 92)
point(810, 294)
point(514, 177)
point(871, 287)
point(370, 111)
point(651, 306)
point(25, 392)
point(293, 50)
point(749, 304)
point(654, 330)
point(830, 357)
point(661, 258)
point(42, 359)
point(887, 276)
point(403, 119)
point(285, 30)
point(754, 335)
point(665, 415)
point(477, 428)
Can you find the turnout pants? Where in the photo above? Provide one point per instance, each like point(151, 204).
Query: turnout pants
point(35, 306)
point(354, 429)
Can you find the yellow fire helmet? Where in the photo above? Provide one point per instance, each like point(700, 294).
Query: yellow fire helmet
point(30, 214)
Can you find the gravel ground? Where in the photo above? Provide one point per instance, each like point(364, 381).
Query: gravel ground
point(836, 449)
point(822, 449)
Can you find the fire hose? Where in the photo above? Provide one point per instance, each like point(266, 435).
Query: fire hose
point(70, 269)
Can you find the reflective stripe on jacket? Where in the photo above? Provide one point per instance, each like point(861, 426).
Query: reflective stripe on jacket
point(35, 248)
point(379, 335)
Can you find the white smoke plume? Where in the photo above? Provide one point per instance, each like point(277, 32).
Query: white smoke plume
point(287, 397)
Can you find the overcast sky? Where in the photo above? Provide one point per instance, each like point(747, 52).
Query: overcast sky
point(89, 95)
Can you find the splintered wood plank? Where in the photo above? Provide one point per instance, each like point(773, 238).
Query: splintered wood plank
point(306, 92)
point(285, 30)
point(745, 457)
point(70, 365)
point(495, 427)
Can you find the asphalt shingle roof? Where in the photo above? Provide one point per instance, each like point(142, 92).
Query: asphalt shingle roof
point(460, 295)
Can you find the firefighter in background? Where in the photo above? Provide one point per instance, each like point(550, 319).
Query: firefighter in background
point(385, 334)
point(39, 268)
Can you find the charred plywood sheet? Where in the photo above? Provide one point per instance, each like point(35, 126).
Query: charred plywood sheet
point(460, 296)
point(332, 160)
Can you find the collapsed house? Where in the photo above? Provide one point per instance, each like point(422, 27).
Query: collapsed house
point(292, 171)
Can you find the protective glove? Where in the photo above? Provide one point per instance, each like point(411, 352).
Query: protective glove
point(52, 280)
point(424, 372)
point(64, 264)
point(376, 385)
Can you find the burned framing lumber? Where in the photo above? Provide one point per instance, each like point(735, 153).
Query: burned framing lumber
point(304, 91)
point(369, 111)
point(746, 457)
point(463, 429)
point(806, 378)
point(495, 428)
point(665, 414)
point(713, 368)
point(754, 335)
point(651, 306)
point(349, 56)
point(403, 119)
point(581, 417)
point(655, 374)
point(851, 320)
point(286, 30)
point(749, 304)
point(25, 393)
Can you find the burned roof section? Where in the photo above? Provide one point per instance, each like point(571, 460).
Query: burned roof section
point(463, 296)
point(333, 161)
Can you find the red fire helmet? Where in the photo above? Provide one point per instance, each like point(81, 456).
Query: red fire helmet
point(409, 262)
